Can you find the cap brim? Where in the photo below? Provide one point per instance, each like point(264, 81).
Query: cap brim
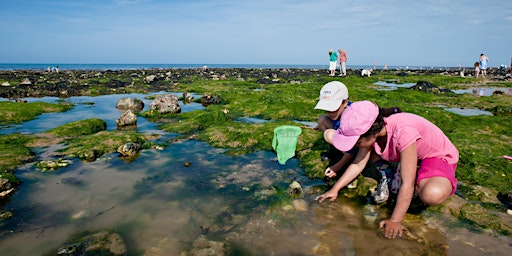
point(344, 143)
point(328, 105)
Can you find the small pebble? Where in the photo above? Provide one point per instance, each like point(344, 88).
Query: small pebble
point(509, 211)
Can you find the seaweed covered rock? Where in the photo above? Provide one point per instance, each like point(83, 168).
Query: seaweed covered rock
point(208, 99)
point(428, 87)
point(101, 243)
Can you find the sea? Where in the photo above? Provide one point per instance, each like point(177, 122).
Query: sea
point(102, 67)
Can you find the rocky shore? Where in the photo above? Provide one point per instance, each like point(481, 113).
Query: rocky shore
point(33, 83)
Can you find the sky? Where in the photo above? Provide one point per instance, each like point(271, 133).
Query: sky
point(441, 33)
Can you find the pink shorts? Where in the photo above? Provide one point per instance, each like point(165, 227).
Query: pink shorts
point(436, 167)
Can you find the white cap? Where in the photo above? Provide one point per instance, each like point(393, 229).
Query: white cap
point(332, 95)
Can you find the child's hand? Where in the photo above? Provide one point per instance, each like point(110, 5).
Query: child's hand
point(331, 195)
point(329, 172)
point(391, 229)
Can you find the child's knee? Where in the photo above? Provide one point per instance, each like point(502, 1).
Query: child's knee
point(434, 191)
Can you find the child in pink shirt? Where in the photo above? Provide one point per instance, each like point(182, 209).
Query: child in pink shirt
point(405, 138)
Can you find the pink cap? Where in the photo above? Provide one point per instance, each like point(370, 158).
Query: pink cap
point(355, 121)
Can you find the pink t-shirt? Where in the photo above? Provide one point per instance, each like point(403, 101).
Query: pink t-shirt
point(405, 128)
point(343, 56)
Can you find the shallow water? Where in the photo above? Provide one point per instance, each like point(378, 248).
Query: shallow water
point(160, 206)
point(469, 111)
point(104, 107)
point(383, 85)
point(484, 91)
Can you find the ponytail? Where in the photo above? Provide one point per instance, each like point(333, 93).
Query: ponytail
point(385, 112)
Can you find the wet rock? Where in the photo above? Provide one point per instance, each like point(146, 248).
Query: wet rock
point(6, 84)
point(204, 247)
point(127, 118)
point(428, 87)
point(26, 81)
point(300, 205)
point(129, 149)
point(208, 99)
point(6, 214)
point(187, 97)
point(166, 103)
point(475, 213)
point(134, 104)
point(5, 187)
point(101, 243)
point(52, 165)
point(149, 79)
point(295, 189)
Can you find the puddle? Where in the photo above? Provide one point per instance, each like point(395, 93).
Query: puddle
point(307, 124)
point(252, 120)
point(160, 206)
point(391, 85)
point(468, 111)
point(104, 107)
point(484, 91)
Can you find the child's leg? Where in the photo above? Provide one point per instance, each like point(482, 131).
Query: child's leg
point(435, 181)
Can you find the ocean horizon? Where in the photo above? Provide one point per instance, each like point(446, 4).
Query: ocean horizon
point(135, 66)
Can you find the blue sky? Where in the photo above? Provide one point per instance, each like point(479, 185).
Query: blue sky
point(393, 32)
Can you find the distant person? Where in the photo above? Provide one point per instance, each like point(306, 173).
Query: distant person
point(477, 68)
point(483, 64)
point(343, 62)
point(333, 58)
point(406, 138)
point(334, 100)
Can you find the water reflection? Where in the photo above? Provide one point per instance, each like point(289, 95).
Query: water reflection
point(103, 107)
point(485, 91)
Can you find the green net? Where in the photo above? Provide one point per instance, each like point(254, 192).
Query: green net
point(285, 141)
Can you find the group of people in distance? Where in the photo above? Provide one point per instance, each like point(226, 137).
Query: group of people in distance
point(333, 62)
point(367, 135)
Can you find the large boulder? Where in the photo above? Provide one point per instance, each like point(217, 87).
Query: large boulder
point(166, 103)
point(134, 104)
point(127, 118)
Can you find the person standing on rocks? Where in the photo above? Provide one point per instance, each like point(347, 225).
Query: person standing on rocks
point(483, 64)
point(333, 58)
point(406, 138)
point(343, 62)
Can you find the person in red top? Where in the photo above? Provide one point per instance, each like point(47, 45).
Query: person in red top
point(343, 63)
